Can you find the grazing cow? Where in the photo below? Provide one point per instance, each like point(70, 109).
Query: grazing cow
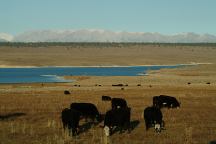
point(153, 118)
point(66, 92)
point(118, 103)
point(117, 118)
point(87, 110)
point(70, 119)
point(118, 85)
point(106, 98)
point(165, 101)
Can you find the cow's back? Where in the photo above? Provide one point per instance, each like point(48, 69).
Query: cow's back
point(117, 117)
point(169, 101)
point(106, 98)
point(85, 108)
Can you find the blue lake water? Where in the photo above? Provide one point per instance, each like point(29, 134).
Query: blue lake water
point(53, 74)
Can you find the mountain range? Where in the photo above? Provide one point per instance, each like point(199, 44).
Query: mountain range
point(95, 35)
point(5, 37)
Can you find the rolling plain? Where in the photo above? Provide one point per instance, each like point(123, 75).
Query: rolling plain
point(31, 113)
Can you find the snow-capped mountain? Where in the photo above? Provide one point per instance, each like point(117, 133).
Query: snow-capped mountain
point(94, 35)
point(5, 37)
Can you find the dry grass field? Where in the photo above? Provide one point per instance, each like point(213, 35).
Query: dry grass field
point(30, 113)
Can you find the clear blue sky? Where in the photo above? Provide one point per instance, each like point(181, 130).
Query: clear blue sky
point(163, 16)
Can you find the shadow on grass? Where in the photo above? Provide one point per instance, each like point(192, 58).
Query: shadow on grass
point(132, 126)
point(85, 127)
point(212, 142)
point(11, 116)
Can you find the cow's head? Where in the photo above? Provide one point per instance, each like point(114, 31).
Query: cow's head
point(157, 128)
point(175, 105)
point(107, 131)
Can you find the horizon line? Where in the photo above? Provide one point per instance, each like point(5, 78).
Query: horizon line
point(104, 30)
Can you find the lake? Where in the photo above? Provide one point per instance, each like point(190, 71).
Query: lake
point(55, 74)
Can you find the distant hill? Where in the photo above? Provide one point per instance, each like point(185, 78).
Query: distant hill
point(88, 35)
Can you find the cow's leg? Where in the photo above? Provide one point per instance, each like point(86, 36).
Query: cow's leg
point(163, 125)
point(93, 119)
point(147, 125)
point(74, 131)
point(70, 130)
point(129, 127)
point(111, 130)
point(120, 128)
point(126, 126)
point(86, 119)
point(150, 123)
point(64, 125)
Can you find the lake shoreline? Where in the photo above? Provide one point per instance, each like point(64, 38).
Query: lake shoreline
point(56, 74)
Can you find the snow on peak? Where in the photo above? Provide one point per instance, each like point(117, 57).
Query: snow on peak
point(100, 35)
point(6, 37)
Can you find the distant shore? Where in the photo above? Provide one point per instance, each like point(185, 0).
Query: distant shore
point(96, 55)
point(188, 64)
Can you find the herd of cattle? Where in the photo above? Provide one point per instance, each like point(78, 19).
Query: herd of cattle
point(118, 116)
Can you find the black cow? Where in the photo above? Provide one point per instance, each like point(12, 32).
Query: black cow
point(120, 85)
point(106, 98)
point(165, 101)
point(118, 103)
point(70, 119)
point(153, 118)
point(87, 110)
point(66, 92)
point(117, 117)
